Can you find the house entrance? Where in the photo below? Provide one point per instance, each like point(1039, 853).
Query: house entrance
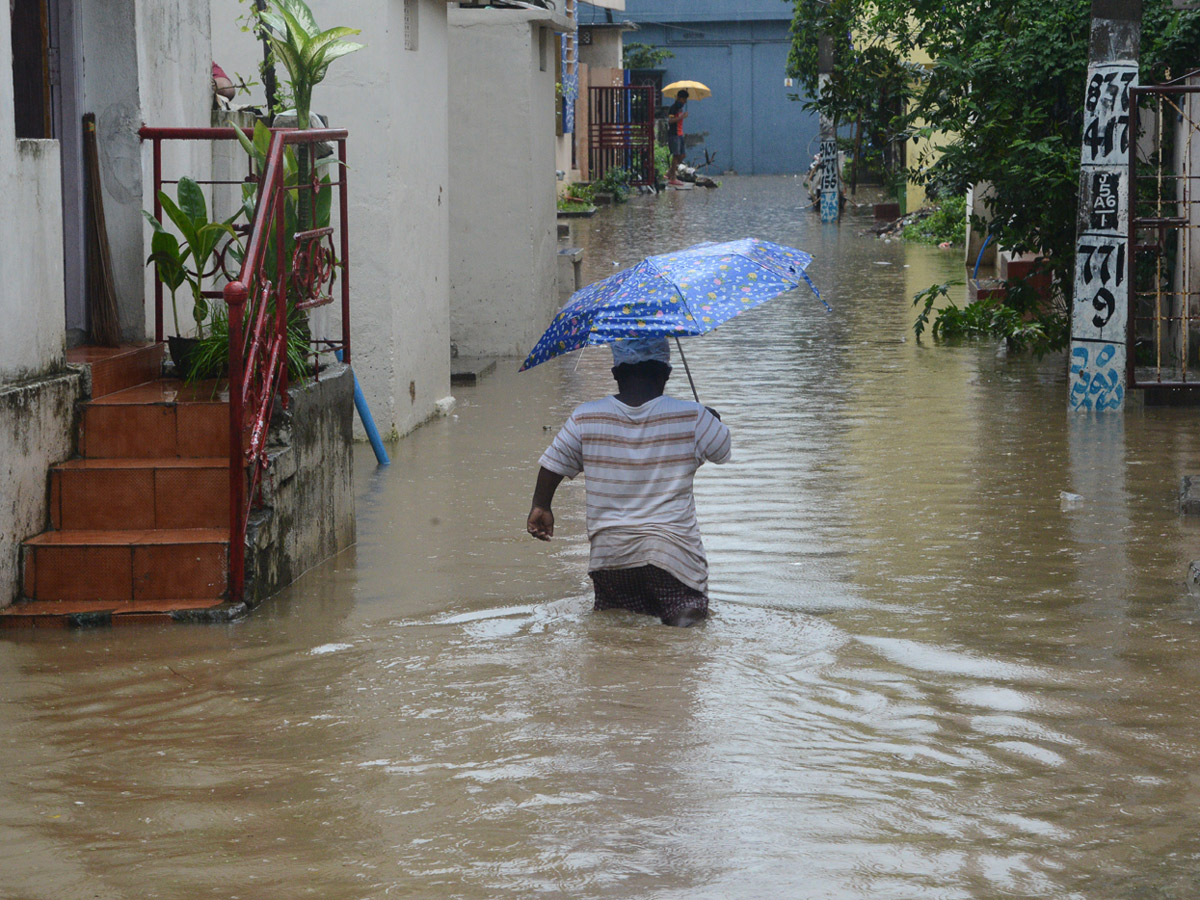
point(621, 132)
point(46, 105)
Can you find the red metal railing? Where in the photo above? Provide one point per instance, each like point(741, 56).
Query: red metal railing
point(279, 273)
point(621, 132)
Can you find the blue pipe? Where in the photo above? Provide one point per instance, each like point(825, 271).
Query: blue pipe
point(360, 403)
point(975, 274)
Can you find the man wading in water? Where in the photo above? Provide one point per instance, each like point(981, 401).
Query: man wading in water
point(639, 451)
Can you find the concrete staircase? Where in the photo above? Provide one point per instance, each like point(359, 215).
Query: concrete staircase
point(139, 523)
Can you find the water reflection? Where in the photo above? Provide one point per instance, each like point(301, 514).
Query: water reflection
point(951, 653)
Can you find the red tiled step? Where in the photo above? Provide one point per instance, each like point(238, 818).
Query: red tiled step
point(122, 567)
point(163, 418)
point(116, 368)
point(67, 613)
point(171, 492)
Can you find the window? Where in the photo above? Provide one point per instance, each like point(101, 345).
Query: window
point(31, 68)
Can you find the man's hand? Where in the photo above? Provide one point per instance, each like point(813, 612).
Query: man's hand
point(541, 523)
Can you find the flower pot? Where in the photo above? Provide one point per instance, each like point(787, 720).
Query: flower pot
point(181, 349)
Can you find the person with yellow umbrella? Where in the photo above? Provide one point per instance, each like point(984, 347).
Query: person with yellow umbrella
point(681, 92)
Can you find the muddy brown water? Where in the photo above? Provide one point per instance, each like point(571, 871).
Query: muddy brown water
point(952, 654)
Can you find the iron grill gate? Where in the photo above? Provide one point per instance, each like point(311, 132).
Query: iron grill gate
point(621, 132)
point(1164, 226)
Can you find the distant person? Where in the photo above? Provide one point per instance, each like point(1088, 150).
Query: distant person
point(675, 116)
point(638, 451)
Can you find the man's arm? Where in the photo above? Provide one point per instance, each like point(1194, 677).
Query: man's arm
point(712, 437)
point(541, 519)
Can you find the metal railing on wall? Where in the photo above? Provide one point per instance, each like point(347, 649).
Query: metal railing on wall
point(288, 259)
point(1164, 225)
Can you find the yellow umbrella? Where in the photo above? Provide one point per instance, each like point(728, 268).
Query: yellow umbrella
point(696, 90)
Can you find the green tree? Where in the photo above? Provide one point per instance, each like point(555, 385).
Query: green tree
point(644, 56)
point(1006, 89)
point(870, 82)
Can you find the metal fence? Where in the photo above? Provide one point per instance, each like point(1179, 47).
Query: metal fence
point(621, 132)
point(1164, 227)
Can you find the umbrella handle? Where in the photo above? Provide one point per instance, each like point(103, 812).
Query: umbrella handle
point(687, 370)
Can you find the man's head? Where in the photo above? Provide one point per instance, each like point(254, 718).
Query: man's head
point(682, 96)
point(641, 359)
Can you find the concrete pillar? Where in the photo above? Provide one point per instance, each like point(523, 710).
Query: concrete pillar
point(831, 176)
point(1100, 312)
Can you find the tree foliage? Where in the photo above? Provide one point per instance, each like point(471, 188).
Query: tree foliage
point(644, 56)
point(1002, 100)
point(870, 83)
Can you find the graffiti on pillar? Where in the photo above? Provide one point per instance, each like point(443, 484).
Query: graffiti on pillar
point(1106, 114)
point(829, 172)
point(1101, 293)
point(829, 206)
point(1097, 384)
point(830, 181)
point(1101, 308)
point(1106, 205)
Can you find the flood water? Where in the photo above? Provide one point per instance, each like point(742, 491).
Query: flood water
point(952, 651)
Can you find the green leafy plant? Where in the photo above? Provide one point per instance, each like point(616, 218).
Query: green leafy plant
point(947, 224)
point(567, 204)
point(257, 148)
point(210, 358)
point(869, 86)
point(583, 193)
point(177, 263)
point(644, 56)
point(662, 162)
point(1005, 89)
point(306, 52)
point(989, 317)
point(615, 181)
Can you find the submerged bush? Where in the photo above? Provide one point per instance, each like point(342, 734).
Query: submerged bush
point(947, 224)
point(1039, 330)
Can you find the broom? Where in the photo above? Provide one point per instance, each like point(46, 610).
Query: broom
point(103, 319)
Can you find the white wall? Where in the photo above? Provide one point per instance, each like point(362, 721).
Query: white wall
point(393, 101)
point(144, 62)
point(36, 399)
point(31, 267)
point(174, 65)
point(607, 47)
point(503, 264)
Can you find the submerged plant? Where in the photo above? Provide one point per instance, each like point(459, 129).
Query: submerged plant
point(989, 317)
point(616, 182)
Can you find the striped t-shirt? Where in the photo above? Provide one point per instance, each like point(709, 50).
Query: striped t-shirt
point(638, 464)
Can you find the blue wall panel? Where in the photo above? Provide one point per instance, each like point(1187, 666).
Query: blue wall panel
point(749, 123)
point(739, 49)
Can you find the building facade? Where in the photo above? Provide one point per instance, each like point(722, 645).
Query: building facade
point(392, 96)
point(739, 49)
point(128, 62)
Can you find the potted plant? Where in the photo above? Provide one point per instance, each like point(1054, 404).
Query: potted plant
point(306, 53)
point(177, 263)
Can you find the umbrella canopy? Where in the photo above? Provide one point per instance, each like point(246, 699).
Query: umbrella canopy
point(688, 292)
point(696, 90)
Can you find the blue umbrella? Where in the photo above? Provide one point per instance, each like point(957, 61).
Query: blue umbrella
point(677, 294)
